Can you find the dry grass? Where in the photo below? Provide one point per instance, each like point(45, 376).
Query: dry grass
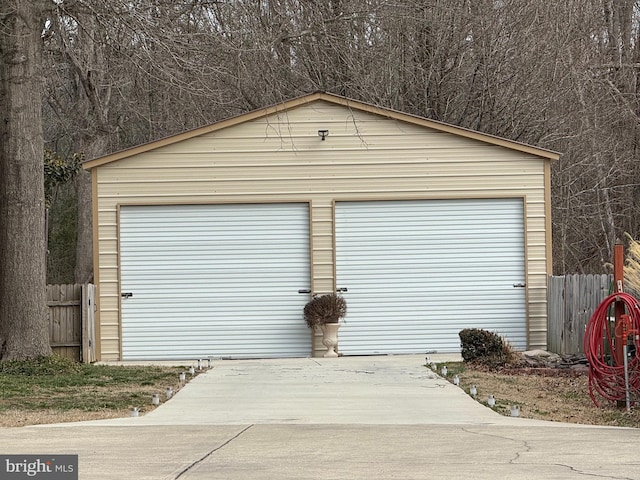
point(46, 411)
point(22, 418)
point(57, 390)
point(546, 395)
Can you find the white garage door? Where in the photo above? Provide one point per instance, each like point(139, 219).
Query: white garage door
point(214, 280)
point(417, 272)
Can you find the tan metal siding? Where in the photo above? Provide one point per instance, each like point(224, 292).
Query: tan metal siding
point(281, 158)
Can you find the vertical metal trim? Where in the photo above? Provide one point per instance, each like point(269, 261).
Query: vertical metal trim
point(548, 220)
point(119, 266)
point(96, 260)
point(527, 282)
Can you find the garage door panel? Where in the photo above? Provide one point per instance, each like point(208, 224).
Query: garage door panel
point(217, 280)
point(233, 280)
point(417, 272)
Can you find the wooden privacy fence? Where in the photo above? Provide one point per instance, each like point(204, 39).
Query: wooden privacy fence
point(72, 321)
point(572, 299)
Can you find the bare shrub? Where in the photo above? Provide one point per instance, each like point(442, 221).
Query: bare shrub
point(323, 309)
point(481, 347)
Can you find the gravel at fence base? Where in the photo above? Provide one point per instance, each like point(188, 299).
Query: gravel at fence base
point(543, 359)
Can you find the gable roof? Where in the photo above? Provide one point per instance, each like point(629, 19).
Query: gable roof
point(332, 98)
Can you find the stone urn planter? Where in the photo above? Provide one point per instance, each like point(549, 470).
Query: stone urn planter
point(330, 338)
point(325, 312)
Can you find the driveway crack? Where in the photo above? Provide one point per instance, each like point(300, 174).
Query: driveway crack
point(208, 454)
point(587, 474)
point(527, 448)
point(518, 452)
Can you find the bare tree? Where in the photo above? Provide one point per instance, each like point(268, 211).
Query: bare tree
point(562, 75)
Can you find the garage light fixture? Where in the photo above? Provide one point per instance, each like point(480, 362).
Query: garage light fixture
point(323, 134)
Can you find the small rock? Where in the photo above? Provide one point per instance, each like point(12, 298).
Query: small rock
point(538, 353)
point(540, 358)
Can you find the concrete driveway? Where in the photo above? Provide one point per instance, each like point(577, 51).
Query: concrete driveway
point(395, 390)
point(346, 418)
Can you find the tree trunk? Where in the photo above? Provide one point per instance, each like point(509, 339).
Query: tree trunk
point(24, 331)
point(84, 241)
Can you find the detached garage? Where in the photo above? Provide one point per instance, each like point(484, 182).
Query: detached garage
point(209, 243)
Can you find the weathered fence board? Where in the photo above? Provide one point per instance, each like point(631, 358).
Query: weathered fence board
point(71, 320)
point(572, 299)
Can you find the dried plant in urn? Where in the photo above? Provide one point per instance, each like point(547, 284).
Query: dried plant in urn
point(323, 309)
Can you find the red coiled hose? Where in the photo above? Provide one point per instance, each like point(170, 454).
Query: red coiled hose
point(606, 377)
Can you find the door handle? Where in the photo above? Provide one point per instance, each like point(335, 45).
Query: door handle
point(519, 285)
point(342, 289)
point(304, 290)
point(126, 294)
